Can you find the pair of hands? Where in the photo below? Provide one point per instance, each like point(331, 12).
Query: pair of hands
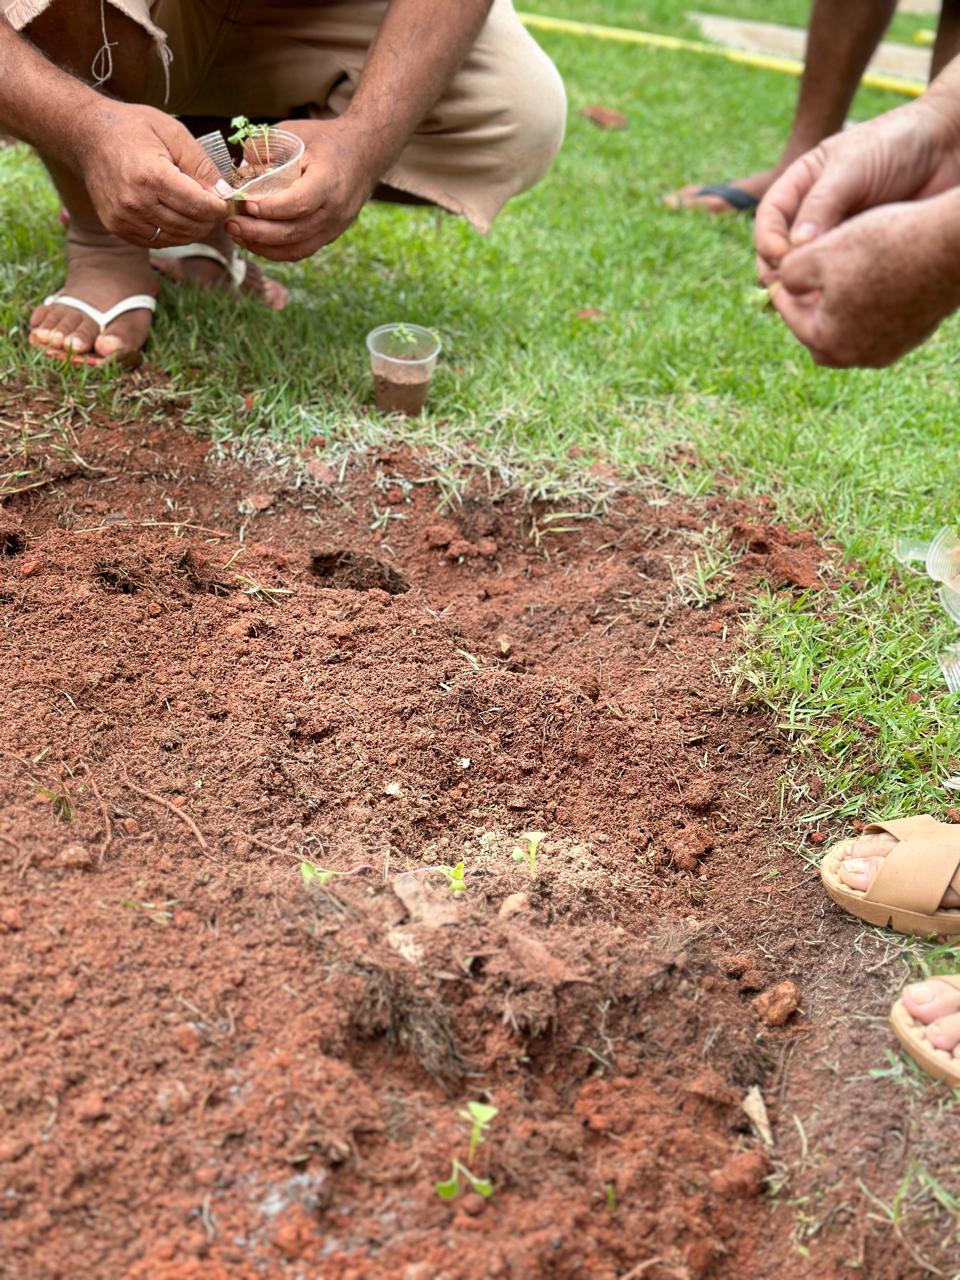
point(859, 271)
point(143, 170)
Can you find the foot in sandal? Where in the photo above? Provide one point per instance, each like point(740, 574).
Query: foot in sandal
point(903, 875)
point(926, 1021)
point(112, 283)
point(215, 264)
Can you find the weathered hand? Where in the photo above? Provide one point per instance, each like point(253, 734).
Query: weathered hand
point(874, 288)
point(338, 177)
point(907, 154)
point(143, 170)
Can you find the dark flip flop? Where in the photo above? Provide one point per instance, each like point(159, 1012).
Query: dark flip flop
point(739, 200)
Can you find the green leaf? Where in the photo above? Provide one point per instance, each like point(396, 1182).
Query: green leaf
point(449, 1190)
point(481, 1113)
point(315, 875)
point(482, 1186)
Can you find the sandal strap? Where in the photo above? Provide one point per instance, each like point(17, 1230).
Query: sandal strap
point(136, 302)
point(921, 866)
point(235, 267)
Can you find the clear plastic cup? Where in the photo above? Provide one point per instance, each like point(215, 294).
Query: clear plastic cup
point(282, 151)
point(950, 600)
point(908, 550)
point(943, 556)
point(402, 360)
point(949, 662)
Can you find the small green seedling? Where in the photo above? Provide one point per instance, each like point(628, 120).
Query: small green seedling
point(610, 1194)
point(312, 874)
point(243, 131)
point(60, 803)
point(450, 1189)
point(534, 839)
point(454, 878)
point(406, 337)
point(315, 875)
point(480, 1116)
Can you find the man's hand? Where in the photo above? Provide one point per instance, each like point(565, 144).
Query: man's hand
point(907, 154)
point(871, 290)
point(335, 184)
point(143, 170)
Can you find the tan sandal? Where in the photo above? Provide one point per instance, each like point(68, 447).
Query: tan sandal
point(936, 1062)
point(913, 877)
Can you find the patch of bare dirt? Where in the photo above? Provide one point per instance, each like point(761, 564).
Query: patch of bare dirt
point(211, 1068)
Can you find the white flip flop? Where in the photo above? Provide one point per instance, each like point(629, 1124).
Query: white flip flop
point(235, 267)
point(102, 319)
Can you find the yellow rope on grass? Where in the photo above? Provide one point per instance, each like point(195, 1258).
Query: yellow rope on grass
point(651, 40)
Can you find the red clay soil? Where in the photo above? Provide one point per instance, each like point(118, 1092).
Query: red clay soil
point(210, 1069)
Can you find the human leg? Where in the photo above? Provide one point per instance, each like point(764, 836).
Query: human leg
point(841, 39)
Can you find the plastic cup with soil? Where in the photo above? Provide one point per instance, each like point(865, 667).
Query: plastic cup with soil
point(402, 359)
point(271, 160)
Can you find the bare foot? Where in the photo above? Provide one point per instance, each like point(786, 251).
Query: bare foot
point(937, 1005)
point(860, 866)
point(207, 274)
point(756, 185)
point(101, 270)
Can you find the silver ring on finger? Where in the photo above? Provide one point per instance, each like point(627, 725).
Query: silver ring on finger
point(156, 235)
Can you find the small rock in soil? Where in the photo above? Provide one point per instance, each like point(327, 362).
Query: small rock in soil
point(688, 846)
point(712, 1087)
point(513, 904)
point(12, 1149)
point(778, 1004)
point(321, 472)
point(441, 534)
point(77, 857)
point(91, 1107)
point(743, 1174)
point(701, 793)
point(187, 1038)
point(737, 964)
point(605, 117)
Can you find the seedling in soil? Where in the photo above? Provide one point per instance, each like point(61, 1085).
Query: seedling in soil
point(454, 878)
point(312, 874)
point(534, 839)
point(60, 803)
point(480, 1115)
point(244, 131)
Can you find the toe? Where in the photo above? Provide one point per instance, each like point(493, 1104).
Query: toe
point(128, 333)
point(944, 1033)
point(931, 1000)
point(859, 873)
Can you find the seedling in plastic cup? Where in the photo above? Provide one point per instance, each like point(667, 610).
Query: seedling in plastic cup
point(534, 839)
point(402, 360)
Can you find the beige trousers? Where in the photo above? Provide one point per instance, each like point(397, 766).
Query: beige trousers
point(493, 133)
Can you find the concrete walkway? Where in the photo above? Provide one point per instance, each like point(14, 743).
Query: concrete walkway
point(906, 62)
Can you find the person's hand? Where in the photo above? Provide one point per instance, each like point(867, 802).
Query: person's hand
point(339, 174)
point(143, 170)
point(869, 291)
point(907, 154)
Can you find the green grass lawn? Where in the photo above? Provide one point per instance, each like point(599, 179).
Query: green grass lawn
point(682, 358)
